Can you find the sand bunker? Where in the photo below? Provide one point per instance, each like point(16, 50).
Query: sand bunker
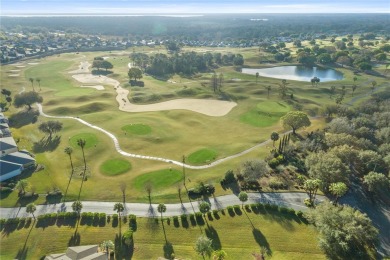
point(98, 87)
point(13, 71)
point(204, 106)
point(83, 68)
point(20, 66)
point(13, 75)
point(33, 63)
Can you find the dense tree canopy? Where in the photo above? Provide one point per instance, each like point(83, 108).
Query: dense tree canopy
point(27, 99)
point(345, 233)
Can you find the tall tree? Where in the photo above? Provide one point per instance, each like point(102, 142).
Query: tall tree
point(338, 190)
point(204, 207)
point(345, 233)
point(295, 120)
point(252, 170)
point(82, 143)
point(220, 81)
point(161, 208)
point(203, 246)
point(39, 83)
point(135, 73)
point(50, 127)
point(373, 85)
point(27, 99)
point(68, 150)
point(32, 83)
point(257, 76)
point(274, 137)
point(77, 206)
point(283, 88)
point(31, 208)
point(243, 197)
point(119, 208)
point(311, 187)
point(376, 182)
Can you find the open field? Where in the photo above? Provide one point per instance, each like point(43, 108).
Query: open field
point(168, 134)
point(286, 237)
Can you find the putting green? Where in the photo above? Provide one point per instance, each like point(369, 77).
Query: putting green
point(265, 114)
point(90, 140)
point(137, 129)
point(202, 156)
point(159, 179)
point(115, 167)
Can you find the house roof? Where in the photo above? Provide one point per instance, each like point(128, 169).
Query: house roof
point(18, 158)
point(7, 167)
point(7, 143)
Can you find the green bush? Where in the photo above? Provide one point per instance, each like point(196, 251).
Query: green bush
point(52, 215)
point(230, 209)
point(183, 217)
point(108, 218)
point(215, 212)
point(299, 214)
point(124, 219)
point(102, 216)
point(61, 215)
point(236, 207)
point(96, 216)
point(115, 217)
point(12, 221)
point(308, 203)
point(283, 210)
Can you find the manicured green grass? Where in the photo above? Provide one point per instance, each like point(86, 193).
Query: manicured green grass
point(75, 92)
point(158, 179)
point(137, 129)
point(115, 167)
point(239, 236)
point(90, 140)
point(202, 156)
point(266, 113)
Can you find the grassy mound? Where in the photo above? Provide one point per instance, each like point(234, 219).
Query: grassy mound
point(202, 156)
point(75, 92)
point(265, 114)
point(159, 179)
point(137, 129)
point(90, 140)
point(115, 167)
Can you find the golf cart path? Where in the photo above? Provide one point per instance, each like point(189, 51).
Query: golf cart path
point(289, 199)
point(124, 153)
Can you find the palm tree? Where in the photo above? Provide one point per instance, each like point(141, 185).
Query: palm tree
point(21, 186)
point(274, 137)
point(31, 208)
point(268, 90)
point(162, 208)
point(204, 207)
point(39, 83)
point(243, 196)
point(119, 208)
point(354, 79)
point(77, 206)
point(106, 246)
point(32, 83)
point(82, 143)
point(257, 76)
point(68, 150)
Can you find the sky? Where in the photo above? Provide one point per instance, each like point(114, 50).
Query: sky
point(35, 7)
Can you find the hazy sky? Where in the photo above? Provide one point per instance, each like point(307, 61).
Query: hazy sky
point(9, 7)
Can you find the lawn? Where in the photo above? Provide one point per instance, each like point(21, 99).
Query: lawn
point(115, 167)
point(137, 129)
point(240, 235)
point(202, 156)
point(159, 180)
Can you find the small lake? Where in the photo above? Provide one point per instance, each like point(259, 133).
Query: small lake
point(300, 73)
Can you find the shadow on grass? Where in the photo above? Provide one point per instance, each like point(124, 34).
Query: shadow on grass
point(74, 239)
point(23, 118)
point(22, 253)
point(25, 199)
point(168, 250)
point(261, 240)
point(46, 144)
point(128, 250)
point(101, 72)
point(213, 235)
point(9, 228)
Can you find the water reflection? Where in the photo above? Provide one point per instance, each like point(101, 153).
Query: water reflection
point(300, 73)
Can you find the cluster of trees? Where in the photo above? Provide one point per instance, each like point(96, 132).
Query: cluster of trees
point(27, 99)
point(188, 63)
point(7, 98)
point(100, 63)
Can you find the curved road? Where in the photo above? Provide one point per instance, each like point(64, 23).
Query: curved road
point(290, 200)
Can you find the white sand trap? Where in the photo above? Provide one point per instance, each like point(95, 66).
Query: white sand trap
point(98, 87)
point(33, 63)
point(13, 75)
point(13, 71)
point(204, 106)
point(105, 57)
point(20, 66)
point(83, 68)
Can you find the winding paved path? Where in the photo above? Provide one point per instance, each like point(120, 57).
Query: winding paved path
point(119, 150)
point(290, 200)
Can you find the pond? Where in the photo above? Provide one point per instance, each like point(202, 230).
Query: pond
point(300, 73)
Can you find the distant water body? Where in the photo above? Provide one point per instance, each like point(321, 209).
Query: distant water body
point(300, 73)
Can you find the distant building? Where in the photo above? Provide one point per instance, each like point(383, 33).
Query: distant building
point(79, 253)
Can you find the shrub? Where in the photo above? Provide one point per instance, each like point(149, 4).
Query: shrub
point(283, 210)
point(175, 218)
point(61, 215)
point(52, 215)
point(308, 203)
point(247, 207)
point(12, 221)
point(183, 217)
point(124, 219)
point(132, 219)
point(215, 212)
point(277, 184)
point(291, 211)
point(236, 207)
point(102, 216)
point(299, 214)
point(108, 218)
point(115, 217)
point(192, 217)
point(230, 209)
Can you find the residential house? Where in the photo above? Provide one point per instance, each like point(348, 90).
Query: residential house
point(79, 253)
